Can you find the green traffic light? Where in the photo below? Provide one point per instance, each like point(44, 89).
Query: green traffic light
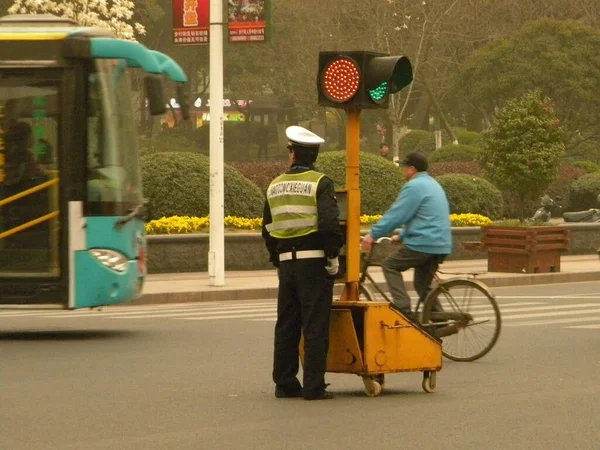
point(379, 93)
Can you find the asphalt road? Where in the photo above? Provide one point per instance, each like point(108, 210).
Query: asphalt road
point(198, 377)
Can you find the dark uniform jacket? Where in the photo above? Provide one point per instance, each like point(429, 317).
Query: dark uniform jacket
point(329, 236)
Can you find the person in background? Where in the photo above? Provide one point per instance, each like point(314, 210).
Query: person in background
point(384, 150)
point(422, 209)
point(302, 234)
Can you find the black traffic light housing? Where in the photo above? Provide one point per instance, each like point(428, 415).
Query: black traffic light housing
point(360, 79)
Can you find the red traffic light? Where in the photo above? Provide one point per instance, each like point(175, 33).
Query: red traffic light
point(341, 79)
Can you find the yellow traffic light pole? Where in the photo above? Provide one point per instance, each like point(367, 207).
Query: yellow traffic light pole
point(351, 293)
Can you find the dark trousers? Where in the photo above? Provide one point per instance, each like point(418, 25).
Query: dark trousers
point(425, 266)
point(303, 305)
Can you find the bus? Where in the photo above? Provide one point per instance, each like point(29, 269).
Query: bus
point(72, 211)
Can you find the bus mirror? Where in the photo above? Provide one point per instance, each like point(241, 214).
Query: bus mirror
point(182, 100)
point(155, 95)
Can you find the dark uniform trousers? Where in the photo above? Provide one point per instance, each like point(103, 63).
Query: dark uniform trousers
point(303, 305)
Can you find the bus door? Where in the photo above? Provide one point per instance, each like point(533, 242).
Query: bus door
point(33, 260)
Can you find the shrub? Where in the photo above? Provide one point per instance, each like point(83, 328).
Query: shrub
point(588, 166)
point(470, 138)
point(455, 153)
point(445, 168)
point(177, 184)
point(380, 179)
point(415, 140)
point(567, 174)
point(523, 148)
point(262, 173)
point(584, 192)
point(474, 195)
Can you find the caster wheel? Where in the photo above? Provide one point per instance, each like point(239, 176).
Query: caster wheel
point(372, 387)
point(380, 379)
point(429, 379)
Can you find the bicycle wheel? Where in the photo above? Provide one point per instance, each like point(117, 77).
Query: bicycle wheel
point(470, 323)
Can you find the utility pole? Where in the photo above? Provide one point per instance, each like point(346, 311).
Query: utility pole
point(216, 255)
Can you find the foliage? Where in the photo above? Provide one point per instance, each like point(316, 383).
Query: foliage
point(469, 194)
point(116, 15)
point(471, 138)
point(588, 166)
point(584, 192)
point(522, 149)
point(262, 173)
point(516, 223)
point(380, 179)
point(445, 168)
point(561, 187)
point(455, 153)
point(187, 224)
point(558, 57)
point(177, 184)
point(413, 140)
point(469, 220)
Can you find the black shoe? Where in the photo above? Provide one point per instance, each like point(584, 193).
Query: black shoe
point(288, 393)
point(323, 396)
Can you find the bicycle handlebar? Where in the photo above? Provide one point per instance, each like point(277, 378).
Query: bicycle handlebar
point(380, 240)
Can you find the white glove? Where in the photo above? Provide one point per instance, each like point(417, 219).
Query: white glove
point(333, 266)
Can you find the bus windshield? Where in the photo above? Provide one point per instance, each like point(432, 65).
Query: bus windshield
point(113, 167)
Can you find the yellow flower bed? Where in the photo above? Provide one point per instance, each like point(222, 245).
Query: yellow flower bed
point(186, 225)
point(469, 220)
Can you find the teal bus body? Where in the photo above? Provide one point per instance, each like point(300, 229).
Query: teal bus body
point(98, 285)
point(105, 246)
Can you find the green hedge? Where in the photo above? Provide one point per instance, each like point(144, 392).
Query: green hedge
point(470, 194)
point(416, 140)
point(455, 153)
point(588, 166)
point(380, 179)
point(584, 192)
point(177, 184)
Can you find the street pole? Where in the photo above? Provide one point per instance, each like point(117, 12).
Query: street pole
point(353, 216)
point(216, 254)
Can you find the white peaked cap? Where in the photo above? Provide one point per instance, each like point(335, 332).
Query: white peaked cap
point(302, 136)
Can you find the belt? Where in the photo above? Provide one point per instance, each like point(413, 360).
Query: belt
point(302, 254)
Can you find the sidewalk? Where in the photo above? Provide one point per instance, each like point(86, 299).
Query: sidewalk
point(257, 285)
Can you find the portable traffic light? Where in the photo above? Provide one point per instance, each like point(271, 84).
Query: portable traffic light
point(362, 80)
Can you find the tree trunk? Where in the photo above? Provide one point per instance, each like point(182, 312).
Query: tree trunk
point(442, 118)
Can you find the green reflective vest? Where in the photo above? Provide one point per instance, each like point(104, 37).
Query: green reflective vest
point(293, 202)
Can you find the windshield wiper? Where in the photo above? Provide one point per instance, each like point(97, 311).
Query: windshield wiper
point(140, 211)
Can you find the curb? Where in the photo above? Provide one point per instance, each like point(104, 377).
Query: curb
point(271, 292)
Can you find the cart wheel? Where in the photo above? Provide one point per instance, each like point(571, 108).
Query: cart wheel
point(380, 379)
point(429, 379)
point(372, 387)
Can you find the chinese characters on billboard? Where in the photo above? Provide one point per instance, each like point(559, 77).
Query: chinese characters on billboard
point(247, 21)
point(190, 22)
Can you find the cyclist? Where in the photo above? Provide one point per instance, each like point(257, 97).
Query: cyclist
point(422, 208)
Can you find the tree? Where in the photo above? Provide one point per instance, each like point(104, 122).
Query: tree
point(115, 15)
point(522, 150)
point(558, 57)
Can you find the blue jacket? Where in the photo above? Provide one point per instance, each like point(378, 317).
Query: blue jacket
point(422, 208)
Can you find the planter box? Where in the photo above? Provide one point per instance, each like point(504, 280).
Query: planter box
point(524, 249)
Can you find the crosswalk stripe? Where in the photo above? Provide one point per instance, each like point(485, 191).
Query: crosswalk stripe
point(229, 316)
point(552, 314)
point(587, 327)
point(548, 308)
point(172, 312)
point(533, 323)
point(193, 314)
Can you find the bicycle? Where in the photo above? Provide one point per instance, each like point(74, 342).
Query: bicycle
point(454, 323)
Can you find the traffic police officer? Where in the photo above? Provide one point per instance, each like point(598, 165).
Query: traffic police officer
point(302, 233)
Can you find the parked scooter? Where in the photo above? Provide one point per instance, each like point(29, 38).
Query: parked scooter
point(544, 214)
point(591, 215)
